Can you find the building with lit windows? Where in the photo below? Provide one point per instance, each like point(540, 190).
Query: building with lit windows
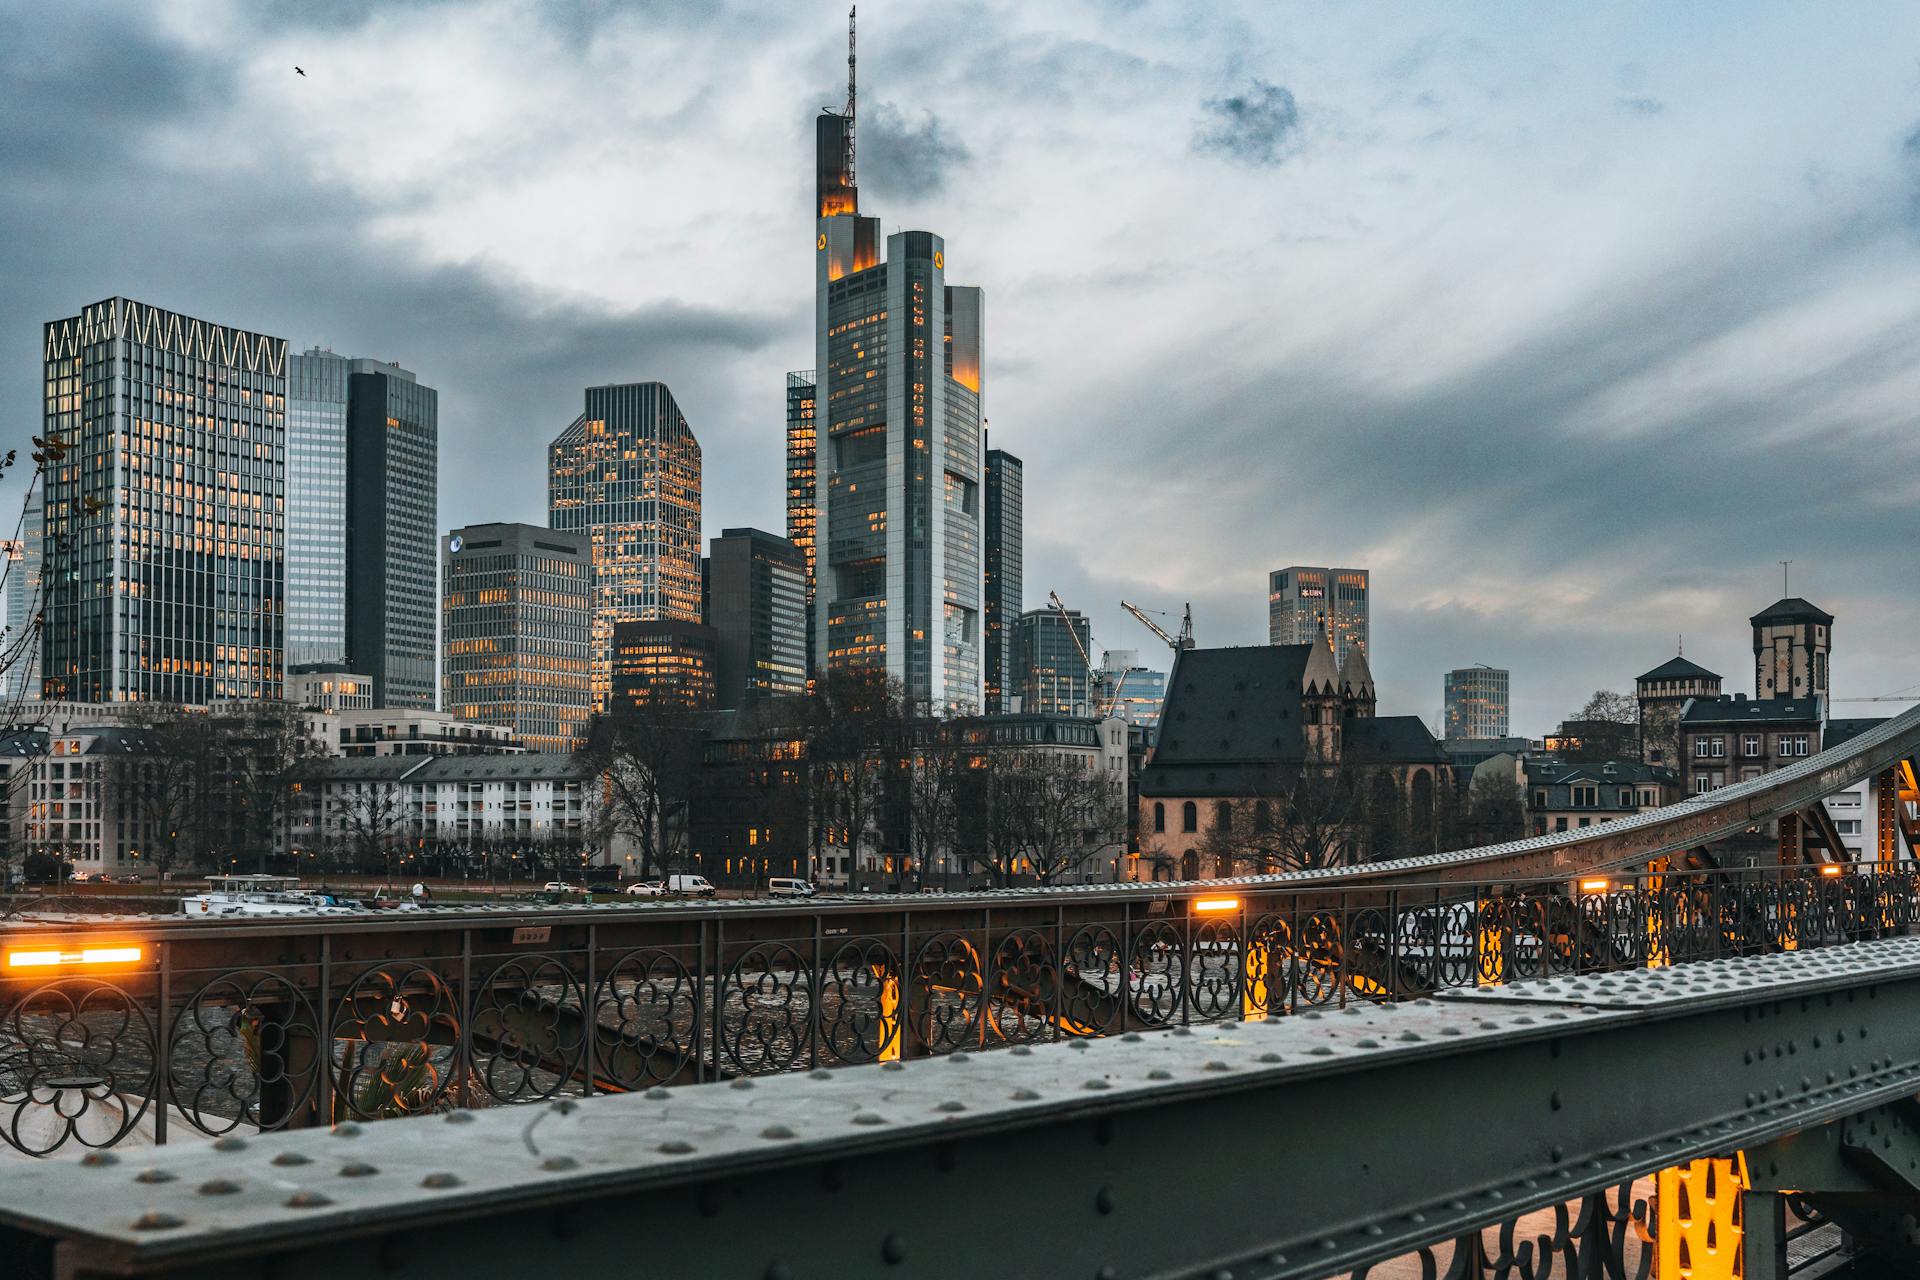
point(165, 540)
point(801, 516)
point(1136, 692)
point(519, 631)
point(1300, 599)
point(898, 365)
point(329, 687)
point(757, 607)
point(670, 663)
point(363, 462)
point(1054, 677)
point(1476, 703)
point(626, 473)
point(1004, 584)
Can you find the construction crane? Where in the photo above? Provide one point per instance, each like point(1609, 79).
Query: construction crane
point(1093, 676)
point(1177, 644)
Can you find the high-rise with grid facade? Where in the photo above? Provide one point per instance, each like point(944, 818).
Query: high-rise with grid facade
point(898, 362)
point(1004, 581)
point(801, 515)
point(626, 473)
point(165, 550)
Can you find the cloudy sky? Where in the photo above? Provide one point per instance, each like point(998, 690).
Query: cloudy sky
point(1569, 324)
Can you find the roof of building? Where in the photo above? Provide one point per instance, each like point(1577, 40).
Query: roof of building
point(1679, 668)
point(1546, 771)
point(533, 766)
point(1738, 708)
point(1791, 609)
point(1839, 731)
point(1356, 677)
point(1389, 740)
point(360, 768)
point(1234, 705)
point(1320, 675)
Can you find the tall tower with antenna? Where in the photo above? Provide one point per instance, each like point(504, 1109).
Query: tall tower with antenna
point(898, 453)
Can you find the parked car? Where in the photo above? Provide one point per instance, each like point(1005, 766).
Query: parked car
point(80, 877)
point(130, 877)
point(646, 889)
point(560, 886)
point(691, 886)
point(786, 887)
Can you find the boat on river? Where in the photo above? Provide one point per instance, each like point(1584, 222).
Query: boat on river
point(262, 895)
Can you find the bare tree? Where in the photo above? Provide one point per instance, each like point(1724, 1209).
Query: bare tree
point(260, 750)
point(1049, 814)
point(1293, 818)
point(938, 773)
point(853, 729)
point(1496, 810)
point(370, 819)
point(165, 781)
point(646, 757)
point(1606, 728)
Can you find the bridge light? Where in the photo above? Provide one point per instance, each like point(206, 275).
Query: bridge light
point(1831, 869)
point(1599, 884)
point(53, 959)
point(1215, 906)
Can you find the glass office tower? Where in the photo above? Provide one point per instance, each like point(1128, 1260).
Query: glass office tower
point(1300, 598)
point(1476, 702)
point(21, 681)
point(519, 631)
point(898, 365)
point(626, 473)
point(165, 564)
point(801, 517)
point(757, 607)
point(1054, 678)
point(1004, 584)
point(363, 445)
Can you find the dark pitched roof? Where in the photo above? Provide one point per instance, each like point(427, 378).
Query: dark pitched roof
point(1234, 706)
point(1389, 740)
point(1678, 668)
point(1551, 772)
point(533, 766)
point(1791, 609)
point(1744, 710)
point(1839, 731)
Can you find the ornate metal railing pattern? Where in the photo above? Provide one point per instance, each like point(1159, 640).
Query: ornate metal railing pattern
point(215, 1034)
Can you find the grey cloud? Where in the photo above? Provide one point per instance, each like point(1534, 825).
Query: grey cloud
point(1641, 106)
point(1910, 160)
point(903, 158)
point(1257, 126)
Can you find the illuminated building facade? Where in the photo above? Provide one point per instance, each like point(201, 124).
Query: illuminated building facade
point(757, 607)
point(626, 473)
point(519, 631)
point(666, 662)
point(801, 515)
point(165, 521)
point(1299, 598)
point(363, 461)
point(1054, 679)
point(1136, 692)
point(898, 360)
point(1004, 579)
point(1476, 703)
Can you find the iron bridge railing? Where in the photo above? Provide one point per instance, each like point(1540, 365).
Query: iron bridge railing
point(215, 1029)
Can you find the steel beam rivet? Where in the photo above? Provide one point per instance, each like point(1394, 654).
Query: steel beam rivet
point(1018, 1051)
point(347, 1129)
point(440, 1181)
point(657, 1094)
point(1132, 1037)
point(1183, 1031)
point(1103, 1200)
point(1221, 1274)
point(1366, 1042)
point(218, 1187)
point(820, 1073)
point(1321, 1051)
point(776, 1132)
point(1159, 1073)
point(1095, 1083)
point(1214, 1064)
point(1276, 1259)
point(1071, 1044)
point(459, 1117)
point(288, 1159)
point(961, 1057)
point(229, 1144)
point(1106, 1273)
point(894, 1250)
point(951, 1104)
point(558, 1164)
point(99, 1159)
point(868, 1117)
point(1329, 1244)
point(154, 1220)
point(1416, 1217)
point(151, 1176)
point(779, 1271)
point(1557, 1152)
point(307, 1200)
point(357, 1169)
point(1269, 1058)
point(1025, 1095)
point(746, 1082)
point(893, 1066)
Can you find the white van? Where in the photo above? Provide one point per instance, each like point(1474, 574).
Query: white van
point(782, 887)
point(690, 886)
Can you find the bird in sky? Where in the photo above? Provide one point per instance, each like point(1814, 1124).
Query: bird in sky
point(299, 71)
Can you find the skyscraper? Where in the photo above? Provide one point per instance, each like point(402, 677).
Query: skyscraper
point(165, 563)
point(898, 379)
point(1005, 588)
point(1476, 703)
point(24, 562)
point(519, 631)
point(363, 461)
point(1300, 598)
point(757, 607)
point(1054, 678)
point(801, 516)
point(663, 662)
point(626, 472)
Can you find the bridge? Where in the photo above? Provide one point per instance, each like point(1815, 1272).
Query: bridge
point(121, 1032)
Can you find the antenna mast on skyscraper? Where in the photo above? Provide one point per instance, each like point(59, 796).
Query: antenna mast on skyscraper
point(850, 96)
